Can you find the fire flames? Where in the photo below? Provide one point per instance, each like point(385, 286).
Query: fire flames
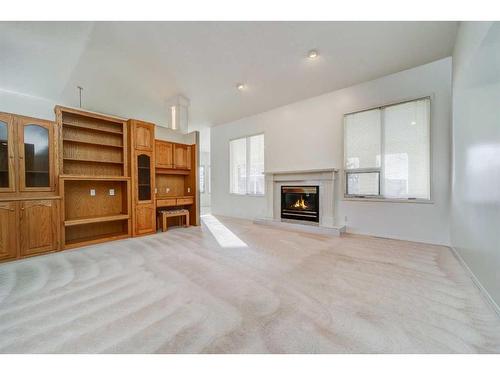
point(300, 204)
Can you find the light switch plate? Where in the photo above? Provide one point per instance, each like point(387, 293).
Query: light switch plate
point(92, 192)
point(111, 192)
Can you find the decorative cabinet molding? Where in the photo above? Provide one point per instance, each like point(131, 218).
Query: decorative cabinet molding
point(145, 222)
point(8, 230)
point(164, 154)
point(39, 224)
point(144, 136)
point(182, 156)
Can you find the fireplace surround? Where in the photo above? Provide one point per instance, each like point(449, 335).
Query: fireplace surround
point(300, 202)
point(323, 179)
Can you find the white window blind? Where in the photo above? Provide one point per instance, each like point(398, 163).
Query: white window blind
point(387, 151)
point(247, 165)
point(362, 134)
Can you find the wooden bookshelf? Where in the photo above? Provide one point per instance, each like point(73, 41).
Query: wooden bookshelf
point(95, 182)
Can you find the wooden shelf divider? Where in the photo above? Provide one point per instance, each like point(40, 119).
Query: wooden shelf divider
point(94, 128)
point(93, 161)
point(96, 219)
point(91, 143)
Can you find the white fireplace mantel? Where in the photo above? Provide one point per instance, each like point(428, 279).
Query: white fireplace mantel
point(324, 178)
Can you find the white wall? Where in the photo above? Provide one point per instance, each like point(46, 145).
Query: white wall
point(205, 196)
point(308, 135)
point(34, 106)
point(475, 213)
point(27, 105)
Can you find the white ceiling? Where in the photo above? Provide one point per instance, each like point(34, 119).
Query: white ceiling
point(131, 68)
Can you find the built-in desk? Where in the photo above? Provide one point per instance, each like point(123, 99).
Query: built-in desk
point(174, 201)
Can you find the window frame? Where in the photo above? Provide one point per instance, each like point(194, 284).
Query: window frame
point(202, 173)
point(380, 197)
point(247, 159)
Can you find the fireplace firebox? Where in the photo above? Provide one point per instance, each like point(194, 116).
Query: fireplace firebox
point(300, 203)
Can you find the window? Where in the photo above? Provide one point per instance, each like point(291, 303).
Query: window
point(387, 151)
point(202, 179)
point(246, 159)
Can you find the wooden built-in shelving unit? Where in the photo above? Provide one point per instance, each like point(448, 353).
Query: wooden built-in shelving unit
point(176, 177)
point(87, 178)
point(94, 177)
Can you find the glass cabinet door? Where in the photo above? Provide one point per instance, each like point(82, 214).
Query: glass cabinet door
point(143, 177)
point(6, 154)
point(35, 156)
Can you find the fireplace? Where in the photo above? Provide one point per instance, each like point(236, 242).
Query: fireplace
point(300, 203)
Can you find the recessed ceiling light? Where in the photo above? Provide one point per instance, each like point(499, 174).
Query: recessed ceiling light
point(312, 54)
point(240, 86)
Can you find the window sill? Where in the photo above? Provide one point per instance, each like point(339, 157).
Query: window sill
point(389, 200)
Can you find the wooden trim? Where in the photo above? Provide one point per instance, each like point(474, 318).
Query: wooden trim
point(95, 178)
point(31, 198)
point(172, 171)
point(82, 112)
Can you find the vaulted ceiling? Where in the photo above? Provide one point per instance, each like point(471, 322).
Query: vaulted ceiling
point(131, 68)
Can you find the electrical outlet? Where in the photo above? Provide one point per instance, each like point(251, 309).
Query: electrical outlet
point(189, 190)
point(111, 192)
point(167, 190)
point(92, 192)
point(156, 190)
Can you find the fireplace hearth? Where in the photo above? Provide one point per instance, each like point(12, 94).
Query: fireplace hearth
point(300, 203)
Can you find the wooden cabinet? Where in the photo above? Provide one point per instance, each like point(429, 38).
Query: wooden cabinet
point(28, 227)
point(143, 177)
point(182, 156)
point(7, 155)
point(27, 156)
point(144, 136)
point(29, 205)
point(35, 154)
point(172, 155)
point(8, 230)
point(39, 223)
point(145, 219)
point(164, 154)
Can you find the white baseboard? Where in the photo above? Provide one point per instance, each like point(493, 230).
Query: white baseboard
point(476, 281)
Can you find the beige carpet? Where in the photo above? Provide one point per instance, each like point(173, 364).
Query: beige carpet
point(235, 287)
